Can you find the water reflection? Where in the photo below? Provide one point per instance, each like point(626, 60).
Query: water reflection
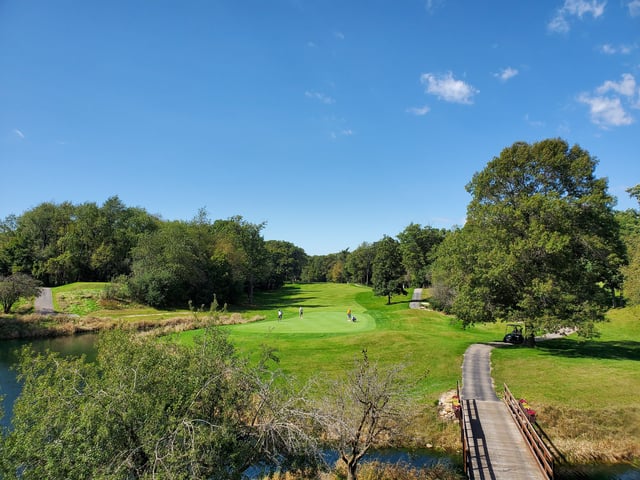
point(10, 388)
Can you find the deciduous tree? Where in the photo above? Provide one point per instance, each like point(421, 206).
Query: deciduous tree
point(388, 272)
point(360, 409)
point(540, 244)
point(15, 286)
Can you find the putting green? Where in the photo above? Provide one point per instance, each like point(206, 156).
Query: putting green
point(321, 321)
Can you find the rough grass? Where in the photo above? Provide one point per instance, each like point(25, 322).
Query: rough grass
point(585, 391)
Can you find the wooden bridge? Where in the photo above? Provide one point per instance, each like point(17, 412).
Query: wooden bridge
point(499, 441)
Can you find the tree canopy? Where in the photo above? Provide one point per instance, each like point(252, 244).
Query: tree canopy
point(540, 245)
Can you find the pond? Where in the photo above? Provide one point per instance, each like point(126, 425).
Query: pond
point(9, 386)
point(85, 345)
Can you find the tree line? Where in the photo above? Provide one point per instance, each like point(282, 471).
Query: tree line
point(542, 244)
point(169, 263)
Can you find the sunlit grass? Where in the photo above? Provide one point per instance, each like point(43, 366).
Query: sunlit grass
point(586, 391)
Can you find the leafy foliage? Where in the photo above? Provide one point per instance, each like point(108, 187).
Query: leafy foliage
point(388, 273)
point(15, 286)
point(417, 245)
point(630, 226)
point(146, 409)
point(540, 245)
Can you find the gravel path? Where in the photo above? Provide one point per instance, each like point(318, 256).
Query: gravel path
point(44, 302)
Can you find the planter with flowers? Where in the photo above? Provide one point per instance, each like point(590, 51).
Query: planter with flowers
point(528, 411)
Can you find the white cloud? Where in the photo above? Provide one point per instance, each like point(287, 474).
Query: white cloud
point(606, 111)
point(575, 8)
point(609, 102)
point(339, 35)
point(419, 111)
point(448, 88)
point(347, 132)
point(626, 87)
point(326, 99)
point(634, 8)
point(18, 133)
point(506, 73)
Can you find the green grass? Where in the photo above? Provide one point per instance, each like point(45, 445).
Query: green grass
point(324, 343)
point(585, 391)
point(85, 299)
point(574, 371)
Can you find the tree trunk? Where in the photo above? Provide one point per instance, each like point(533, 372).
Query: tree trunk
point(351, 471)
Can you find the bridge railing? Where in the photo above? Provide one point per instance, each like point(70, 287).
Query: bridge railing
point(459, 411)
point(532, 438)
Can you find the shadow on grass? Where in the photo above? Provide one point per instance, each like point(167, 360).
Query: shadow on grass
point(611, 350)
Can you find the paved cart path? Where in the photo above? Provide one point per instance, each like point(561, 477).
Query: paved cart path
point(44, 302)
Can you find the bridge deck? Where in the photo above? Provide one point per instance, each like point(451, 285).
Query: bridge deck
point(497, 449)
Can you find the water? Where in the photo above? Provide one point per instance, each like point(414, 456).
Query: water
point(85, 345)
point(9, 387)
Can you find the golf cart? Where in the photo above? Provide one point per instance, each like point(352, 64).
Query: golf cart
point(514, 333)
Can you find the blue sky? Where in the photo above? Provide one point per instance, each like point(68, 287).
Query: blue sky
point(333, 121)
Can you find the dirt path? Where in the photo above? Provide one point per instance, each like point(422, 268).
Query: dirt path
point(44, 302)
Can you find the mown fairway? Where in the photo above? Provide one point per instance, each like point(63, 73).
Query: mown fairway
point(325, 343)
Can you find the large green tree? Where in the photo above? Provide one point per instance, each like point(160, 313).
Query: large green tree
point(243, 246)
point(359, 264)
point(417, 245)
point(286, 261)
point(630, 225)
point(540, 245)
point(149, 409)
point(388, 273)
point(171, 266)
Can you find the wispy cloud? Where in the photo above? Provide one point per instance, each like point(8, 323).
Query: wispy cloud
point(311, 44)
point(18, 133)
point(634, 8)
point(321, 97)
point(533, 123)
point(418, 111)
point(506, 74)
point(609, 49)
point(346, 132)
point(608, 104)
point(447, 88)
point(338, 35)
point(432, 5)
point(575, 8)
